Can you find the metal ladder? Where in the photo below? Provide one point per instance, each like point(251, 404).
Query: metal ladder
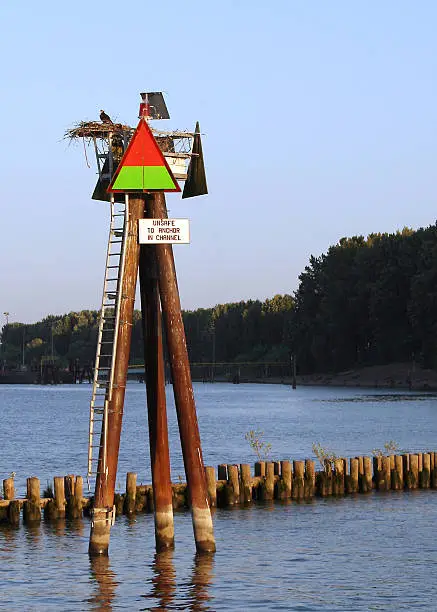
point(103, 382)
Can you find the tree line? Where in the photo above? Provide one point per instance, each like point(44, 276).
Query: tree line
point(369, 301)
point(366, 301)
point(244, 331)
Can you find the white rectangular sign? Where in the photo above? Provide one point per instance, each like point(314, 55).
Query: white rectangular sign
point(159, 231)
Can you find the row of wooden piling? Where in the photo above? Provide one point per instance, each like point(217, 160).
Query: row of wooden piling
point(67, 500)
point(234, 484)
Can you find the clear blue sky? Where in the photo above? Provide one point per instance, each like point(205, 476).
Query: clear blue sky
point(319, 121)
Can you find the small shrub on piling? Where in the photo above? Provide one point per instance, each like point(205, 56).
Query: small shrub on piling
point(260, 448)
point(390, 448)
point(325, 457)
point(48, 491)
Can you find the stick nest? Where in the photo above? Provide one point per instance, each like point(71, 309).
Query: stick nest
point(96, 129)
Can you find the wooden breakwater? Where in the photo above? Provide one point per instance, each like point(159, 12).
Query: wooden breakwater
point(232, 485)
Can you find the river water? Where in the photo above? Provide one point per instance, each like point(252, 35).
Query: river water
point(373, 552)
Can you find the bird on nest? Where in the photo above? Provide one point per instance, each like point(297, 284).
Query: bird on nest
point(104, 118)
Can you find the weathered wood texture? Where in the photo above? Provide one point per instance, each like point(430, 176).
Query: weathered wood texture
point(239, 488)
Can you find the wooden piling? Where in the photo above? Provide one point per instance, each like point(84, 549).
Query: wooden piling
point(377, 471)
point(78, 497)
point(309, 479)
point(338, 477)
point(131, 493)
point(246, 483)
point(156, 400)
point(14, 513)
point(8, 488)
point(59, 493)
point(397, 474)
point(233, 486)
point(412, 476)
point(69, 482)
point(268, 484)
point(386, 472)
point(382, 473)
point(434, 471)
point(211, 485)
point(351, 483)
point(182, 387)
point(366, 481)
point(360, 465)
point(102, 516)
point(286, 482)
point(425, 474)
point(298, 491)
point(73, 494)
point(277, 465)
point(32, 505)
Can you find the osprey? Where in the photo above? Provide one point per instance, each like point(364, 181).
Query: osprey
point(104, 117)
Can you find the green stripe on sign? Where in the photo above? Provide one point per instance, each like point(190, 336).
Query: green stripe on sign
point(129, 177)
point(157, 177)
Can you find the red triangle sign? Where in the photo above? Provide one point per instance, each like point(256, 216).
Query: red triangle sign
point(143, 168)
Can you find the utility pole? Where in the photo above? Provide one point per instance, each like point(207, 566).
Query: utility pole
point(293, 366)
point(213, 352)
point(24, 333)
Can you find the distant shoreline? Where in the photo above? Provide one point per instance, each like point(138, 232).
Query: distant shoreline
point(403, 376)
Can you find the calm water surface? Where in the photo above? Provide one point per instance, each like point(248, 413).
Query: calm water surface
point(373, 552)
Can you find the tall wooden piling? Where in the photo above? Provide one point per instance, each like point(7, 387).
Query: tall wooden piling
point(298, 480)
point(211, 485)
point(310, 479)
point(338, 477)
point(246, 483)
point(130, 494)
point(156, 401)
point(59, 493)
point(412, 474)
point(32, 505)
point(352, 479)
point(366, 481)
point(286, 482)
point(397, 474)
point(425, 474)
point(182, 387)
point(102, 517)
point(8, 488)
point(73, 495)
point(434, 470)
point(268, 484)
point(55, 508)
point(382, 473)
point(233, 486)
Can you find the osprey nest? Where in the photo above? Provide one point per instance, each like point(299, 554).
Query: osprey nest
point(96, 129)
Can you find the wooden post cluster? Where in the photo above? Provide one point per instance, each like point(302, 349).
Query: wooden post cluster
point(284, 480)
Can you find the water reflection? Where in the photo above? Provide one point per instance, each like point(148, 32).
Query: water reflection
point(106, 585)
point(191, 595)
point(202, 577)
point(163, 579)
point(8, 538)
point(33, 534)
